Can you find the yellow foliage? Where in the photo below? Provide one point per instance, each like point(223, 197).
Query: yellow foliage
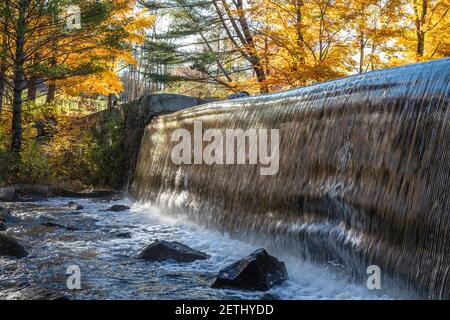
point(107, 80)
point(306, 41)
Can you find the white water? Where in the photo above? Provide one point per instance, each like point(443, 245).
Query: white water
point(147, 223)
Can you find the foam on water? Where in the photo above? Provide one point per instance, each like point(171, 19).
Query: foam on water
point(118, 275)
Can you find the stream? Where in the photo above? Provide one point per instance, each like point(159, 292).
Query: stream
point(104, 245)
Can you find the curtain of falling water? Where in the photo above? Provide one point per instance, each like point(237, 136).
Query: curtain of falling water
point(364, 173)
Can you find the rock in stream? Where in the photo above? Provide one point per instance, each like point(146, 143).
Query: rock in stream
point(74, 205)
point(165, 250)
point(257, 272)
point(118, 208)
point(11, 247)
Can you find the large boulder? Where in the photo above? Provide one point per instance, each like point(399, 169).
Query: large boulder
point(91, 193)
point(8, 194)
point(259, 271)
point(51, 224)
point(6, 216)
point(122, 235)
point(26, 193)
point(118, 208)
point(11, 247)
point(23, 192)
point(164, 250)
point(102, 194)
point(74, 205)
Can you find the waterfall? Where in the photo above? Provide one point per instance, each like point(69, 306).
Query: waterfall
point(363, 173)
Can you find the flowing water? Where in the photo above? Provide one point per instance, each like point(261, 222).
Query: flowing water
point(110, 270)
point(363, 180)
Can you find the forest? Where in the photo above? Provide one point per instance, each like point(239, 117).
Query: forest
point(62, 60)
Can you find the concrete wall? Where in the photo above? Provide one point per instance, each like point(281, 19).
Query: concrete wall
point(134, 117)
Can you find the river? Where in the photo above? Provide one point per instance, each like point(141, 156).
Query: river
point(95, 240)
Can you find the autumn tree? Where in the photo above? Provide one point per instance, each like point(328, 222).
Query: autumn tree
point(194, 47)
point(42, 50)
point(111, 50)
point(4, 41)
point(428, 28)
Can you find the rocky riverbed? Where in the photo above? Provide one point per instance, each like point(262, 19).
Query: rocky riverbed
point(105, 245)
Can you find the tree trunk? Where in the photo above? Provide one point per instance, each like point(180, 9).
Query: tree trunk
point(3, 62)
point(2, 86)
point(51, 92)
point(361, 53)
point(110, 101)
point(32, 89)
point(19, 80)
point(420, 22)
point(261, 76)
point(3, 67)
point(299, 28)
point(420, 43)
point(255, 59)
point(32, 82)
point(247, 46)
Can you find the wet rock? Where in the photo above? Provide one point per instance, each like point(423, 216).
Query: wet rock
point(11, 247)
point(165, 250)
point(91, 194)
point(270, 297)
point(2, 226)
point(51, 224)
point(28, 193)
point(8, 194)
point(259, 271)
point(25, 193)
point(122, 235)
point(238, 95)
point(60, 192)
point(118, 208)
point(73, 213)
point(6, 216)
point(74, 205)
point(103, 194)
